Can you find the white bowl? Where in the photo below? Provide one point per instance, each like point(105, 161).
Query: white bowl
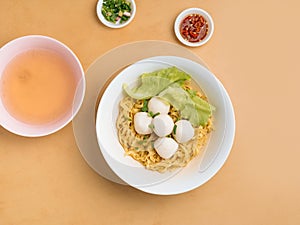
point(113, 25)
point(183, 15)
point(130, 170)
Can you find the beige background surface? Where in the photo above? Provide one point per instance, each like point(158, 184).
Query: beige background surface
point(254, 52)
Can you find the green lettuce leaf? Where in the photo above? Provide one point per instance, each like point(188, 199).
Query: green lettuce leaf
point(190, 106)
point(166, 83)
point(155, 82)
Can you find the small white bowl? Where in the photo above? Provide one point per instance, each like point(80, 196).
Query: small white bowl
point(113, 25)
point(183, 15)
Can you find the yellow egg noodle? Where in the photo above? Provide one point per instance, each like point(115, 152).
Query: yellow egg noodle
point(140, 147)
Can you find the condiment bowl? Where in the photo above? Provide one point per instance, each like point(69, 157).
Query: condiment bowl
point(193, 11)
point(111, 24)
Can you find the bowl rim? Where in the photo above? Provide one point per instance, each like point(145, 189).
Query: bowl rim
point(189, 11)
point(110, 24)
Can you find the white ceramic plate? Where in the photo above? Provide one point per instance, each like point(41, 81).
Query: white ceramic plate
point(127, 170)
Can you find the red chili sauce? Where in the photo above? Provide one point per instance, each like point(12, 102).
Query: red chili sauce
point(194, 28)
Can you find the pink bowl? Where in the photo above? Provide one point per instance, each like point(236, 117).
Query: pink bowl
point(19, 45)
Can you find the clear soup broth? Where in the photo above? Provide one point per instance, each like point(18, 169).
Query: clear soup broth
point(38, 86)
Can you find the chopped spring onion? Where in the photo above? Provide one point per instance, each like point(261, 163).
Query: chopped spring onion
point(116, 11)
point(174, 129)
point(145, 106)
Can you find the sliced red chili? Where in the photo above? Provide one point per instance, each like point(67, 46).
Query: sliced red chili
point(194, 28)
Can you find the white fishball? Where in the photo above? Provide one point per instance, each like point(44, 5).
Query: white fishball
point(156, 105)
point(166, 147)
point(184, 131)
point(142, 122)
point(162, 125)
